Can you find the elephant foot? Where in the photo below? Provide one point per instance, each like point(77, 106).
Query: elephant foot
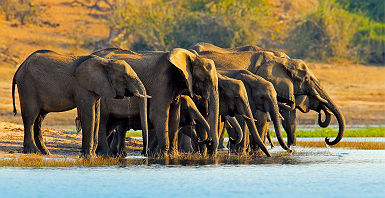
point(30, 149)
point(87, 153)
point(103, 152)
point(45, 151)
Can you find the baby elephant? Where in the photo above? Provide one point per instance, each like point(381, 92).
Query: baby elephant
point(50, 82)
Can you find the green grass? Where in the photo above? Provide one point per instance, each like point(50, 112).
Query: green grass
point(327, 132)
point(331, 132)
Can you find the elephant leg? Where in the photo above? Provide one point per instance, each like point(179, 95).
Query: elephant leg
point(269, 138)
point(173, 124)
point(122, 141)
point(102, 148)
point(114, 142)
point(290, 126)
point(38, 134)
point(87, 118)
point(185, 143)
point(159, 118)
point(202, 135)
point(262, 127)
point(29, 113)
point(152, 143)
point(221, 130)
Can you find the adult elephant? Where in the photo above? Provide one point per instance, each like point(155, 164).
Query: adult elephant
point(295, 84)
point(263, 99)
point(50, 82)
point(165, 76)
point(202, 47)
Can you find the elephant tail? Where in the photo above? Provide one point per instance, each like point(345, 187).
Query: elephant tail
point(13, 96)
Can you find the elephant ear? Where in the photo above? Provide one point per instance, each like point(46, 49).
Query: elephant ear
point(277, 74)
point(182, 60)
point(91, 75)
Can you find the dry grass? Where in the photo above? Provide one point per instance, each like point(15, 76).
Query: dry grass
point(350, 145)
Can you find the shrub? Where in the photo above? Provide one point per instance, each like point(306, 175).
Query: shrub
point(333, 32)
point(22, 10)
point(152, 25)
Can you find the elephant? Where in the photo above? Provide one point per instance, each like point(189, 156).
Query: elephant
point(263, 99)
point(51, 82)
point(295, 85)
point(233, 100)
point(189, 114)
point(202, 47)
point(165, 76)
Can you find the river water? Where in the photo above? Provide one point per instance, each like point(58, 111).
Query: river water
point(310, 172)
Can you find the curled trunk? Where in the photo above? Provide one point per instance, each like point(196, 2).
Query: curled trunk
point(328, 117)
point(336, 111)
point(234, 123)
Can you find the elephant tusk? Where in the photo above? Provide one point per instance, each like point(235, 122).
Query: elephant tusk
point(142, 96)
point(244, 116)
point(281, 116)
point(320, 98)
point(268, 116)
point(285, 106)
point(229, 124)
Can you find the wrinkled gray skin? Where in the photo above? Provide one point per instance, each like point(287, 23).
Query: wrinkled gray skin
point(189, 116)
point(295, 84)
point(262, 97)
point(233, 100)
point(50, 82)
point(165, 76)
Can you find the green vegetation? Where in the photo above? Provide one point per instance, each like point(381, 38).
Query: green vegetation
point(333, 31)
point(152, 25)
point(330, 132)
point(350, 30)
point(318, 132)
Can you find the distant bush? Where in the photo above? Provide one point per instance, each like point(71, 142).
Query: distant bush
point(22, 10)
point(375, 9)
point(153, 25)
point(333, 32)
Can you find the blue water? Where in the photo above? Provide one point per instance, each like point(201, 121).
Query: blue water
point(309, 173)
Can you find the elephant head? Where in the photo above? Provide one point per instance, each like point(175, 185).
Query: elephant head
point(201, 79)
point(234, 100)
point(114, 79)
point(189, 109)
point(294, 81)
point(263, 97)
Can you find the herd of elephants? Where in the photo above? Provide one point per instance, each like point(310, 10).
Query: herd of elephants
point(182, 100)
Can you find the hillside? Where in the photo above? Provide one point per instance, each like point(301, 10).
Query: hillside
point(66, 26)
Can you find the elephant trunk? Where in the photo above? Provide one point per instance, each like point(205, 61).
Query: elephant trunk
point(196, 115)
point(139, 91)
point(254, 132)
point(213, 111)
point(234, 123)
point(336, 111)
point(328, 117)
point(272, 108)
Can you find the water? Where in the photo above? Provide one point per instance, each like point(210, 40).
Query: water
point(311, 172)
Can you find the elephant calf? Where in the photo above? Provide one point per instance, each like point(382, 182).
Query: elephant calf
point(50, 82)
